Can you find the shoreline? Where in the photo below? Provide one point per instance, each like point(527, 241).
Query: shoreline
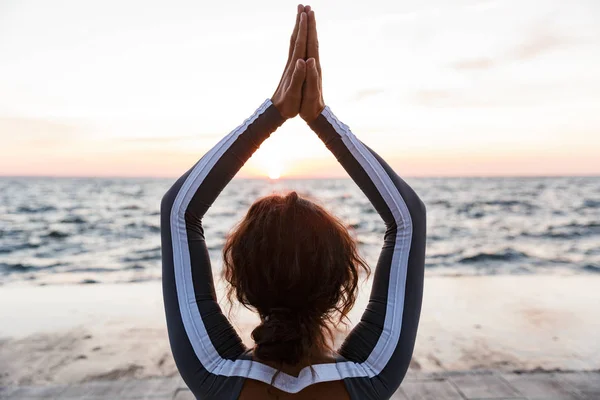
point(64, 334)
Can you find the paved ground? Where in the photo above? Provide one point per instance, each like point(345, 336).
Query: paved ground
point(446, 386)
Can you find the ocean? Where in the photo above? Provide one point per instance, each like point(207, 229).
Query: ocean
point(101, 230)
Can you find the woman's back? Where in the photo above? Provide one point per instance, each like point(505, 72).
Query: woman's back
point(255, 390)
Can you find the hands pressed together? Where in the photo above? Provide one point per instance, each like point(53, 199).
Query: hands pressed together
point(300, 88)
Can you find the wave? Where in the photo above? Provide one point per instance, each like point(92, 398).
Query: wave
point(591, 204)
point(141, 279)
point(224, 214)
point(147, 257)
point(435, 238)
point(442, 203)
point(101, 270)
point(135, 194)
point(57, 235)
point(568, 231)
point(20, 267)
point(592, 252)
point(34, 210)
point(477, 209)
point(441, 255)
point(73, 220)
point(591, 268)
point(130, 207)
point(22, 246)
point(503, 255)
point(508, 203)
point(89, 269)
point(16, 267)
point(149, 227)
point(152, 250)
point(589, 225)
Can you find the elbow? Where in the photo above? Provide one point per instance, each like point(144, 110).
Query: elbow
point(421, 218)
point(421, 209)
point(418, 213)
point(167, 201)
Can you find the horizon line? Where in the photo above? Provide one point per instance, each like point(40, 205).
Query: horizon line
point(592, 175)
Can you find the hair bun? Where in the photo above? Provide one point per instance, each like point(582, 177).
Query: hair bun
point(281, 336)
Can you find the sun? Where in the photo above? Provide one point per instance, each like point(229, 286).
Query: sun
point(269, 161)
point(274, 173)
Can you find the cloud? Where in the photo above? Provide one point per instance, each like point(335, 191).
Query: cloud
point(364, 93)
point(37, 131)
point(539, 41)
point(533, 94)
point(432, 97)
point(167, 139)
point(474, 64)
point(537, 44)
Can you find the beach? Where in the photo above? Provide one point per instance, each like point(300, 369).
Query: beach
point(63, 334)
point(511, 281)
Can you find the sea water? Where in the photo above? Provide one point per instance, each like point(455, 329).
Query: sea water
point(92, 230)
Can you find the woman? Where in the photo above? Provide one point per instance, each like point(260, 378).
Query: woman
point(294, 263)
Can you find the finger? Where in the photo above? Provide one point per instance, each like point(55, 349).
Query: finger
point(300, 45)
point(300, 8)
point(312, 80)
point(312, 46)
point(306, 9)
point(295, 89)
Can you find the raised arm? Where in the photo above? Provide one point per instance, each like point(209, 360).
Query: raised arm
point(201, 337)
point(379, 348)
point(383, 341)
point(204, 343)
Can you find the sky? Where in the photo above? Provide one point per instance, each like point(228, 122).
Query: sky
point(437, 88)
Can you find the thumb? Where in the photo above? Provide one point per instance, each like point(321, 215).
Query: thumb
point(312, 79)
point(298, 77)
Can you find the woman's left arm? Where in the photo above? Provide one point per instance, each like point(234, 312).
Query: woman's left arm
point(203, 342)
point(201, 337)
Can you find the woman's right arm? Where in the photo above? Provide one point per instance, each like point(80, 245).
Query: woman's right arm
point(378, 350)
point(380, 346)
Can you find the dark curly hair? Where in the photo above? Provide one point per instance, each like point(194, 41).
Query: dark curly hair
point(297, 266)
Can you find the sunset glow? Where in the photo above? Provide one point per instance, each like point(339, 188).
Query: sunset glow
point(472, 87)
point(268, 159)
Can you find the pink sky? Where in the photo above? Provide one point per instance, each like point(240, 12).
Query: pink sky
point(473, 88)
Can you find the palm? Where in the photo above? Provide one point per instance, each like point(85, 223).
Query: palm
point(300, 88)
point(288, 95)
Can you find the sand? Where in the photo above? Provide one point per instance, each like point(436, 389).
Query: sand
point(75, 333)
